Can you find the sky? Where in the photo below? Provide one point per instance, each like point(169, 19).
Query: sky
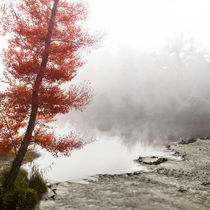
point(148, 24)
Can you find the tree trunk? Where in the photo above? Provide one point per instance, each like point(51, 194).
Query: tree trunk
point(34, 106)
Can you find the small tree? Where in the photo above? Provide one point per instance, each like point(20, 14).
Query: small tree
point(47, 38)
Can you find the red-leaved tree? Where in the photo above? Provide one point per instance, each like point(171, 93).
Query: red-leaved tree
point(47, 39)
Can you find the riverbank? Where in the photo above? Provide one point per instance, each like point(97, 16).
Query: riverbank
point(7, 158)
point(179, 183)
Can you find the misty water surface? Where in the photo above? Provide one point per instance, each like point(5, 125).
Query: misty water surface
point(104, 156)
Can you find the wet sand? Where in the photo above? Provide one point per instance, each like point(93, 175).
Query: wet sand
point(181, 183)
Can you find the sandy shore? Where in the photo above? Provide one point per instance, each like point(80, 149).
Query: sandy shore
point(173, 184)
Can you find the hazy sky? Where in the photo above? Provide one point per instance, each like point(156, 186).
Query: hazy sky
point(148, 24)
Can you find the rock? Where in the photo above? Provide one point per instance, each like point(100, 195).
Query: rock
point(137, 173)
point(151, 160)
point(178, 154)
point(54, 191)
point(207, 183)
point(51, 195)
point(168, 146)
point(187, 141)
point(181, 189)
point(204, 138)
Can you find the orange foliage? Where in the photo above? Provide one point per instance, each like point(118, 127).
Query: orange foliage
point(27, 23)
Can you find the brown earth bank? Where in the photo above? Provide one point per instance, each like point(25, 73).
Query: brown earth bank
point(172, 184)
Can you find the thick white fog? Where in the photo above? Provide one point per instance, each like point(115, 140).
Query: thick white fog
point(151, 77)
point(152, 97)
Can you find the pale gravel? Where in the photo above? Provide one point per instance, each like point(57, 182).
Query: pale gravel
point(172, 185)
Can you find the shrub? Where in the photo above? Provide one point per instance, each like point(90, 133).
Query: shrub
point(37, 182)
point(25, 193)
point(18, 198)
point(21, 180)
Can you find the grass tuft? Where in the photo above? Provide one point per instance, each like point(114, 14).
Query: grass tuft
point(25, 193)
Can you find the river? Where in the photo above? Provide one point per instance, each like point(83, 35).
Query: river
point(105, 156)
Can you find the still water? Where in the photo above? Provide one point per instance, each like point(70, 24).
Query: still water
point(105, 156)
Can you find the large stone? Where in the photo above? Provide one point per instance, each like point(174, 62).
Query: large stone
point(187, 141)
point(151, 160)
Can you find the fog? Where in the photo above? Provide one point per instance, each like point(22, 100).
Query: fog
point(151, 76)
point(152, 97)
point(150, 81)
point(141, 102)
point(107, 155)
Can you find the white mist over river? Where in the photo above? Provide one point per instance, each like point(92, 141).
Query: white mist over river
point(105, 156)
